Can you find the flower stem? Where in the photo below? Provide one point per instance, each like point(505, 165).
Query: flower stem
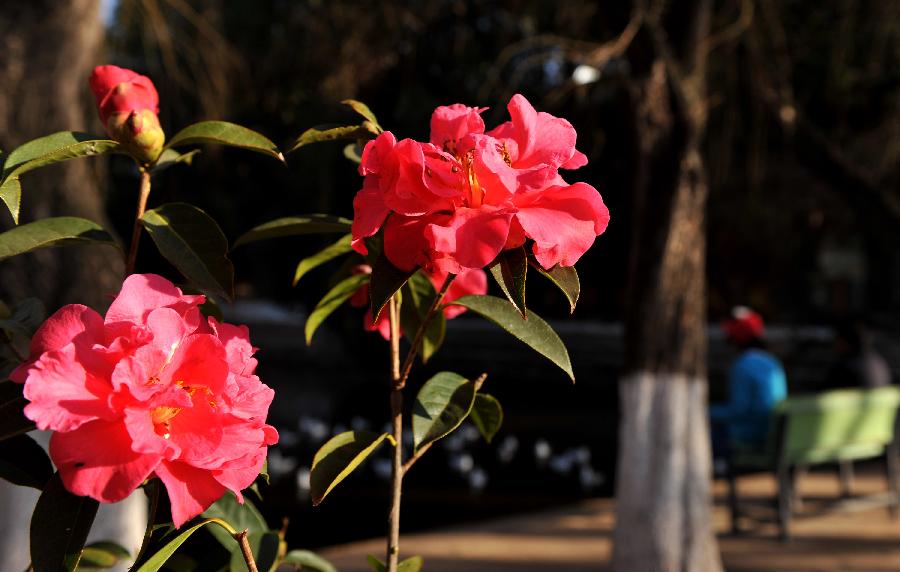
point(136, 233)
point(423, 327)
point(241, 537)
point(393, 547)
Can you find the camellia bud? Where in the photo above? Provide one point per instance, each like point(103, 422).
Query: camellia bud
point(129, 106)
point(139, 132)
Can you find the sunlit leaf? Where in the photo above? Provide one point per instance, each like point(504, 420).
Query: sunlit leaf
point(23, 462)
point(441, 406)
point(332, 301)
point(328, 133)
point(295, 226)
point(487, 415)
point(11, 195)
point(330, 252)
point(534, 332)
point(413, 564)
point(363, 109)
point(59, 527)
point(54, 231)
point(241, 516)
point(225, 133)
point(171, 157)
point(194, 244)
point(339, 457)
point(353, 152)
point(157, 561)
point(565, 278)
point(509, 270)
point(310, 561)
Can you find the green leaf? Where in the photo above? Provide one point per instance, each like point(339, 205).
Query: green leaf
point(225, 133)
point(418, 295)
point(339, 457)
point(156, 561)
point(413, 564)
point(12, 420)
point(326, 133)
point(101, 555)
point(54, 148)
point(353, 151)
point(487, 415)
point(25, 318)
point(332, 301)
point(59, 527)
point(194, 244)
point(241, 516)
point(386, 280)
point(11, 195)
point(363, 109)
point(534, 332)
point(54, 231)
point(295, 226)
point(307, 560)
point(330, 252)
point(265, 552)
point(441, 406)
point(509, 270)
point(565, 278)
point(23, 462)
point(171, 157)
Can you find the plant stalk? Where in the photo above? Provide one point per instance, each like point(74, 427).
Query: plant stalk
point(247, 552)
point(143, 194)
point(393, 547)
point(423, 327)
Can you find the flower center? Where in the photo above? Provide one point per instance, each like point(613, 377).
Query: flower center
point(161, 416)
point(475, 196)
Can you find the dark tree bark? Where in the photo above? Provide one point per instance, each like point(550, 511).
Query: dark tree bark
point(47, 50)
point(663, 484)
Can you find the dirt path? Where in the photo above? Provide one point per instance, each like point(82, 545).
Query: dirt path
point(577, 538)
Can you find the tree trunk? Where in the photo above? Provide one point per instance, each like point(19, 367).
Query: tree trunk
point(663, 514)
point(47, 50)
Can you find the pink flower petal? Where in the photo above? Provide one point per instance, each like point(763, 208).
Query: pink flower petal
point(469, 282)
point(369, 212)
point(238, 349)
point(199, 361)
point(471, 238)
point(563, 222)
point(96, 460)
point(405, 244)
point(142, 293)
point(63, 394)
point(72, 323)
point(191, 490)
point(450, 123)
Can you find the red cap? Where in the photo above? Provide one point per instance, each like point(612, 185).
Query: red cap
point(744, 326)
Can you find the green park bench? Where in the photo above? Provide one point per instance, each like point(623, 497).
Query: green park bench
point(838, 427)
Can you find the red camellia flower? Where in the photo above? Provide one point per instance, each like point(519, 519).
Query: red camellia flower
point(456, 202)
point(152, 389)
point(468, 282)
point(129, 107)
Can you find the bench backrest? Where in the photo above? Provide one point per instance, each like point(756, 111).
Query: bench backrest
point(843, 424)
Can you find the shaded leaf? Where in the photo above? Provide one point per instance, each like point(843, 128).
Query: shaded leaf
point(418, 295)
point(25, 318)
point(339, 457)
point(331, 302)
point(330, 252)
point(441, 406)
point(509, 270)
point(265, 552)
point(534, 332)
point(353, 151)
point(363, 109)
point(59, 527)
point(307, 560)
point(156, 561)
point(101, 555)
point(12, 403)
point(23, 462)
point(295, 226)
point(487, 415)
point(327, 133)
point(225, 133)
point(194, 244)
point(386, 280)
point(565, 278)
point(241, 516)
point(11, 195)
point(53, 231)
point(171, 157)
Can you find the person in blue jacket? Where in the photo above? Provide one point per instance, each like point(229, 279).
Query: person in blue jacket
point(756, 383)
